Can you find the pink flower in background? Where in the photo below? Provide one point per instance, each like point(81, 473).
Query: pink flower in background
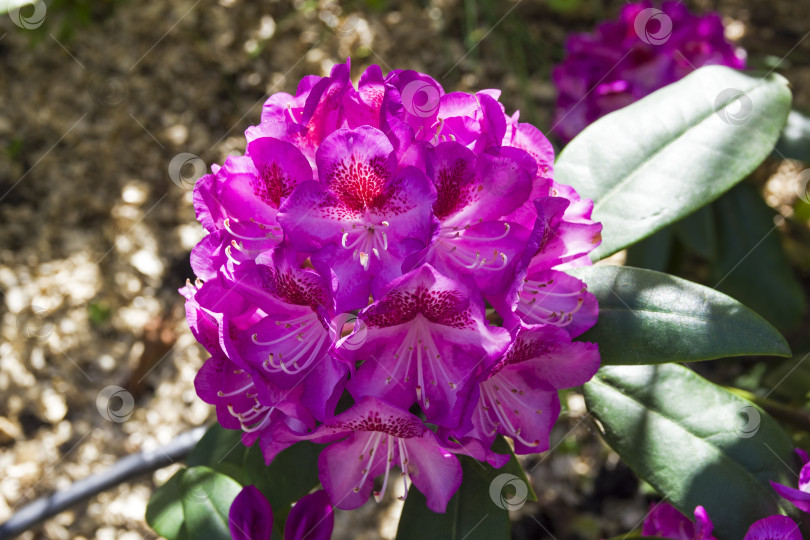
point(623, 60)
point(432, 221)
point(665, 521)
point(774, 527)
point(799, 497)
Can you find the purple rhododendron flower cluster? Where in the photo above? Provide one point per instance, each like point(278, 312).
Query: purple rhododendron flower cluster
point(344, 283)
point(624, 60)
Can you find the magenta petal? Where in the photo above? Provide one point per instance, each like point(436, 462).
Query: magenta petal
point(557, 299)
point(434, 470)
point(280, 167)
point(307, 218)
point(347, 479)
point(664, 520)
point(799, 498)
point(250, 516)
point(311, 518)
point(704, 524)
point(427, 337)
point(804, 478)
point(520, 405)
point(357, 165)
point(774, 528)
point(554, 358)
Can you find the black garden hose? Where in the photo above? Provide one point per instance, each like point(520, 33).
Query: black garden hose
point(123, 470)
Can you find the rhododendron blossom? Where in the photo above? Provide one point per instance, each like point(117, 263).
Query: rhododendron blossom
point(431, 220)
point(623, 60)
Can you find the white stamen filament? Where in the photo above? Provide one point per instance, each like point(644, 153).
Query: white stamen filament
point(220, 393)
point(377, 437)
point(531, 308)
point(230, 255)
point(389, 458)
point(229, 228)
point(367, 242)
point(464, 256)
point(311, 319)
point(497, 401)
point(403, 465)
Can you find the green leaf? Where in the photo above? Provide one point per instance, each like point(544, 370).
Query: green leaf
point(694, 442)
point(697, 232)
point(513, 465)
point(651, 163)
point(207, 498)
point(751, 265)
point(164, 511)
point(652, 253)
point(647, 317)
point(472, 514)
point(222, 450)
point(292, 474)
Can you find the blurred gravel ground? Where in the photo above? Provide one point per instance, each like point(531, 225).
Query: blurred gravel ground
point(95, 236)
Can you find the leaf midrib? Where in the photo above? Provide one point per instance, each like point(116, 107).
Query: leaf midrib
point(631, 175)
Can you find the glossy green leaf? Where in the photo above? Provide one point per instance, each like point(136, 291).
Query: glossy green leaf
point(222, 450)
point(207, 498)
point(751, 265)
point(647, 317)
point(164, 511)
point(651, 163)
point(472, 514)
point(694, 442)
